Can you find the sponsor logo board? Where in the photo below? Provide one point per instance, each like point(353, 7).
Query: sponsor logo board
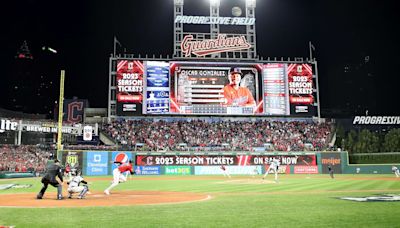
point(178, 170)
point(97, 163)
point(313, 169)
point(147, 170)
point(216, 170)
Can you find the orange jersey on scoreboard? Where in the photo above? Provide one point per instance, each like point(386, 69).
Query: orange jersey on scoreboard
point(241, 96)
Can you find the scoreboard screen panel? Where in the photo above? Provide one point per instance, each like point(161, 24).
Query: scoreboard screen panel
point(157, 89)
point(129, 85)
point(301, 89)
point(275, 89)
point(207, 89)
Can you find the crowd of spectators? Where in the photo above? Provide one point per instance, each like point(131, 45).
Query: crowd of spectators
point(202, 135)
point(23, 158)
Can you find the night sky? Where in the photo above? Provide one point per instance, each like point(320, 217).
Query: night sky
point(358, 34)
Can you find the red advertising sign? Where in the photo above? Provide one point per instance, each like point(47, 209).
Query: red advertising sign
point(129, 81)
point(285, 169)
point(300, 84)
point(301, 169)
point(240, 160)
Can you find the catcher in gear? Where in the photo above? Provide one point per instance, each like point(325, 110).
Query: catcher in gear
point(74, 186)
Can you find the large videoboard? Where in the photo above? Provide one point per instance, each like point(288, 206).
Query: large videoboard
point(208, 88)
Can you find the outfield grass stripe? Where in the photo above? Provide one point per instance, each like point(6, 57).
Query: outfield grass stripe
point(295, 202)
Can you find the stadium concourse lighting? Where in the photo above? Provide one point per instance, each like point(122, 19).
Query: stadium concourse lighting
point(215, 3)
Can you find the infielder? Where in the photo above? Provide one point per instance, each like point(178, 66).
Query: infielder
point(274, 166)
point(396, 171)
point(330, 170)
point(118, 175)
point(225, 171)
point(255, 172)
point(75, 187)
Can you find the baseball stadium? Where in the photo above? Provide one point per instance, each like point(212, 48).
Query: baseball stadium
point(213, 135)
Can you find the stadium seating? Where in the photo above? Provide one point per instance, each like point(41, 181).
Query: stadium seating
point(203, 135)
point(23, 158)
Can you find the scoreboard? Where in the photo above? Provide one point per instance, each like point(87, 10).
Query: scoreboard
point(204, 88)
point(199, 89)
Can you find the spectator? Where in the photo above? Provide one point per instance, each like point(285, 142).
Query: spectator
point(201, 135)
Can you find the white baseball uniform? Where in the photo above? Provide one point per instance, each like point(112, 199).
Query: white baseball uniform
point(75, 187)
point(396, 171)
point(274, 165)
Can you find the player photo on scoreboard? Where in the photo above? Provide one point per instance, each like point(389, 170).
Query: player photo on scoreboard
point(210, 88)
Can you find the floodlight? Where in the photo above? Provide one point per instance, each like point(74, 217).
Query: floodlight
point(178, 2)
point(251, 3)
point(215, 3)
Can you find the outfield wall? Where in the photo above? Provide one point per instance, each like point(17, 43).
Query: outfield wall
point(100, 163)
point(365, 168)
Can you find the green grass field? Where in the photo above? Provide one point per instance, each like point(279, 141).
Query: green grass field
point(296, 201)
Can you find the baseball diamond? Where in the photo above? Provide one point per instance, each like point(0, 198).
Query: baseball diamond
point(211, 200)
point(182, 121)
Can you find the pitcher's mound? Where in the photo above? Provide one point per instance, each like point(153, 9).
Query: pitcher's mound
point(117, 198)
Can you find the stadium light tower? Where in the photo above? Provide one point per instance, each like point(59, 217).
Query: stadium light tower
point(251, 3)
point(178, 2)
point(214, 3)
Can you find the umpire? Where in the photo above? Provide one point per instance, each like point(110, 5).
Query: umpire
point(50, 177)
point(330, 170)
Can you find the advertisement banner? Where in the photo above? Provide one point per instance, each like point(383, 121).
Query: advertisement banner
point(73, 159)
point(237, 170)
point(8, 125)
point(301, 169)
point(147, 170)
point(332, 159)
point(241, 160)
point(129, 83)
point(87, 133)
point(97, 163)
point(301, 89)
point(283, 169)
point(178, 170)
point(127, 155)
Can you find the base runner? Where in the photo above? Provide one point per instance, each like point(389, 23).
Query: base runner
point(118, 175)
point(225, 171)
